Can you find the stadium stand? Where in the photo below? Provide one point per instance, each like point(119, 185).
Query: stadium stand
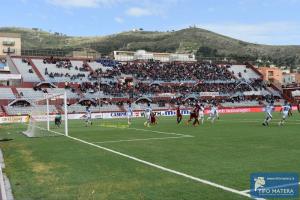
point(243, 72)
point(165, 84)
point(62, 70)
point(25, 68)
point(2, 112)
point(23, 110)
point(6, 93)
point(96, 66)
point(29, 93)
point(273, 91)
point(240, 104)
point(106, 62)
point(176, 71)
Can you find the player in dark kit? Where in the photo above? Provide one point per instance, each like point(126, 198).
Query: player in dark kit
point(194, 115)
point(196, 110)
point(153, 118)
point(57, 120)
point(179, 115)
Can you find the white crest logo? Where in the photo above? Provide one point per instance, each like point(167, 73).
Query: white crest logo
point(259, 183)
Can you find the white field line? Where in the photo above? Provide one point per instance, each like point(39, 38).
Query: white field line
point(144, 139)
point(260, 122)
point(246, 191)
point(167, 133)
point(2, 186)
point(147, 130)
point(203, 181)
point(245, 120)
point(274, 187)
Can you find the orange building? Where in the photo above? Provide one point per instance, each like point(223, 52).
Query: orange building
point(297, 78)
point(272, 74)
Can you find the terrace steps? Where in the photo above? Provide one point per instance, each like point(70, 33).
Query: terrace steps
point(87, 64)
point(2, 111)
point(15, 92)
point(36, 70)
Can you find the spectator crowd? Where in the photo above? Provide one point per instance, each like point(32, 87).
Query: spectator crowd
point(153, 78)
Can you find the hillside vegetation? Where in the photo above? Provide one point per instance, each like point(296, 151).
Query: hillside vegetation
point(191, 40)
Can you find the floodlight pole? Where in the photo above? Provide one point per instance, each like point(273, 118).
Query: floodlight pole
point(66, 114)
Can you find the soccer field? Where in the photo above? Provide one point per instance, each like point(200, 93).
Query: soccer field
point(164, 162)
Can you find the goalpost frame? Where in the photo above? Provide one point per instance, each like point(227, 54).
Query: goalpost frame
point(44, 116)
point(48, 116)
point(65, 111)
point(66, 114)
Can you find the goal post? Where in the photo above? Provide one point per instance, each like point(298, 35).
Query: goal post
point(48, 116)
point(66, 114)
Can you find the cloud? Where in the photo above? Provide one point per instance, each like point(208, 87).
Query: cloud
point(119, 20)
point(151, 7)
point(138, 12)
point(136, 8)
point(267, 33)
point(82, 3)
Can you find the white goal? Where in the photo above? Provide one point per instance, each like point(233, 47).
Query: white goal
point(48, 116)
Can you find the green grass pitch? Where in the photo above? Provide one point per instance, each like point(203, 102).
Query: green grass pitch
point(225, 153)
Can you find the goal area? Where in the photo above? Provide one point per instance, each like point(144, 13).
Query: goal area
point(48, 116)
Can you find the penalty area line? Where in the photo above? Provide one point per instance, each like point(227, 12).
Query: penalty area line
point(274, 121)
point(143, 139)
point(146, 130)
point(199, 180)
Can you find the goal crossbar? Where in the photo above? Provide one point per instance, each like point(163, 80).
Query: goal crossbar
point(46, 115)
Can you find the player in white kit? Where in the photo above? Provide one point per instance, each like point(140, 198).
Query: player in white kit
point(285, 109)
point(129, 113)
point(88, 118)
point(201, 113)
point(214, 113)
point(268, 110)
point(147, 112)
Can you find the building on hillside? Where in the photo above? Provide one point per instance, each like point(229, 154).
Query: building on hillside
point(86, 53)
point(297, 77)
point(124, 56)
point(272, 75)
point(279, 76)
point(292, 91)
point(10, 43)
point(289, 78)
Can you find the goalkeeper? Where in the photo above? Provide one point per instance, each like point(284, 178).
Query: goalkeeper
point(57, 120)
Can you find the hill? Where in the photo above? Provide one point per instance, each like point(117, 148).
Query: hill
point(191, 40)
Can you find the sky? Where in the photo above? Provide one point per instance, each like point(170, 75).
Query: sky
point(274, 22)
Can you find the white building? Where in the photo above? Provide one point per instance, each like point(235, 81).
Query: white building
point(10, 43)
point(124, 56)
point(289, 78)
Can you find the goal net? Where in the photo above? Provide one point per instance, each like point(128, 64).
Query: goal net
point(48, 116)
